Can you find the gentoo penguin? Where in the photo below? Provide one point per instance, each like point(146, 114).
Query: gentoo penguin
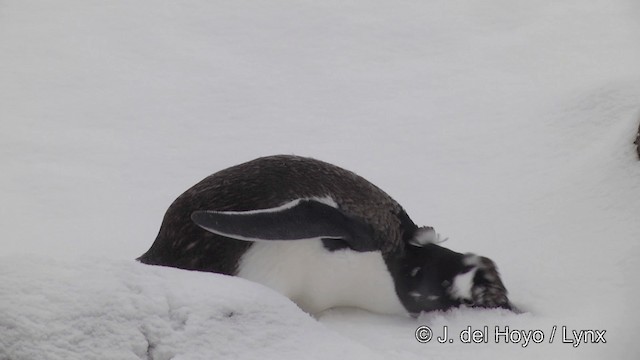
point(321, 235)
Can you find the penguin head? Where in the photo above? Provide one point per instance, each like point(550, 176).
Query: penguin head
point(432, 277)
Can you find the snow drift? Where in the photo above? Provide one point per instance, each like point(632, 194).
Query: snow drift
point(114, 309)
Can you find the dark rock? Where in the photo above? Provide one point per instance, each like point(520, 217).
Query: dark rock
point(637, 142)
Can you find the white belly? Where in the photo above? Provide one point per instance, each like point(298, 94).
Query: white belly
point(317, 279)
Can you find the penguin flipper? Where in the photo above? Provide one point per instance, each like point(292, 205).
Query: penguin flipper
point(300, 219)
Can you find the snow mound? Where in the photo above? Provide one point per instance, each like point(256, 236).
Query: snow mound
point(110, 309)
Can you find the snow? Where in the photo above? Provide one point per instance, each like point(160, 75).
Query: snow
point(116, 309)
point(508, 126)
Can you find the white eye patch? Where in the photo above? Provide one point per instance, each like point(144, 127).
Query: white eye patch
point(462, 285)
